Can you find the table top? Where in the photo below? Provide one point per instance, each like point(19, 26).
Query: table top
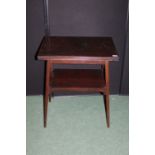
point(61, 49)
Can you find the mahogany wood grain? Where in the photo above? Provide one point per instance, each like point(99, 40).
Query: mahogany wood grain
point(107, 92)
point(47, 88)
point(93, 50)
point(89, 80)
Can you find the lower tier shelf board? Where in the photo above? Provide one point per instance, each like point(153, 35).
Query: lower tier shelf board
point(89, 80)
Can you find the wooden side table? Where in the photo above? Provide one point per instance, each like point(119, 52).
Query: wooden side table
point(77, 50)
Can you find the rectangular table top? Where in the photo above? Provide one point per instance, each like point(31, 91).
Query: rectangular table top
point(62, 49)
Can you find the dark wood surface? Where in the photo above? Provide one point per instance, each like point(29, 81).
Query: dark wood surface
point(69, 80)
point(60, 49)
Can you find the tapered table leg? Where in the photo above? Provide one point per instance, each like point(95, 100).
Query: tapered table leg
point(107, 109)
point(50, 98)
point(51, 95)
point(106, 94)
point(47, 82)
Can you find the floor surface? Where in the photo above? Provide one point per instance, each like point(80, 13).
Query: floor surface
point(77, 126)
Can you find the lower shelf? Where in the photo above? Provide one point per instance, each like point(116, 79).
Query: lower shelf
point(89, 80)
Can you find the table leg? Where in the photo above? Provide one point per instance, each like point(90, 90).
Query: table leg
point(47, 82)
point(50, 98)
point(52, 94)
point(107, 108)
point(106, 94)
